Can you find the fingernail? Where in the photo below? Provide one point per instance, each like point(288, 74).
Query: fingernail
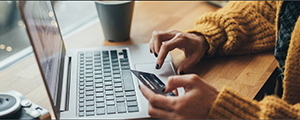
point(150, 51)
point(181, 73)
point(155, 54)
point(157, 66)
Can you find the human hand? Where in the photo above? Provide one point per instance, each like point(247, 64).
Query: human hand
point(194, 104)
point(194, 46)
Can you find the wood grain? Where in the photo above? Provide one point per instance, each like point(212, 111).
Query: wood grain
point(246, 74)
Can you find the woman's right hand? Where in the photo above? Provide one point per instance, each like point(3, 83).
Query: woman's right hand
point(194, 46)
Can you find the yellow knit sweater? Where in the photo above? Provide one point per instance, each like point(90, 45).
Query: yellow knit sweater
point(249, 27)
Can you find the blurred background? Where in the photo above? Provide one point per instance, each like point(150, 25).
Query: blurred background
point(72, 16)
point(14, 43)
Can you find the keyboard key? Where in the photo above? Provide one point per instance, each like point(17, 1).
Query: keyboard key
point(98, 76)
point(117, 80)
point(99, 100)
point(125, 63)
point(89, 76)
point(81, 95)
point(106, 62)
point(116, 68)
point(81, 87)
point(89, 98)
point(120, 94)
point(105, 59)
point(99, 90)
point(116, 76)
point(109, 92)
point(111, 110)
point(89, 84)
point(130, 93)
point(97, 65)
point(92, 113)
point(89, 79)
point(97, 61)
point(119, 89)
point(109, 83)
point(89, 103)
point(89, 93)
point(99, 95)
point(81, 77)
point(107, 74)
point(98, 81)
point(120, 99)
point(97, 57)
point(125, 67)
point(107, 71)
point(81, 104)
point(81, 114)
point(99, 85)
point(127, 78)
point(81, 109)
point(98, 69)
point(81, 91)
point(133, 109)
point(100, 105)
point(132, 103)
point(90, 108)
point(124, 60)
point(107, 79)
point(116, 71)
point(89, 88)
point(110, 103)
point(121, 107)
point(100, 111)
point(108, 88)
point(114, 61)
point(106, 66)
point(98, 72)
point(81, 100)
point(109, 98)
point(118, 85)
point(131, 98)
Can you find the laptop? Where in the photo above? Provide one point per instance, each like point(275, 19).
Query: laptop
point(88, 83)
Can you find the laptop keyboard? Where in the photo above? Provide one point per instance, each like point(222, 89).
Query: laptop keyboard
point(105, 84)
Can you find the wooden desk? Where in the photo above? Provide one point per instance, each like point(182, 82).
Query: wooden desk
point(246, 74)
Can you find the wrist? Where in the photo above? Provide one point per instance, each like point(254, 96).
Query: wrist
point(203, 42)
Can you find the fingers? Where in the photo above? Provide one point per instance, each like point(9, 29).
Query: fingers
point(157, 100)
point(188, 63)
point(157, 38)
point(165, 48)
point(186, 81)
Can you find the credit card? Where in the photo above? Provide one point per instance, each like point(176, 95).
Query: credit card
point(152, 81)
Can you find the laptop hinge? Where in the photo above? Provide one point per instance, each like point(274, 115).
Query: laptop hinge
point(64, 105)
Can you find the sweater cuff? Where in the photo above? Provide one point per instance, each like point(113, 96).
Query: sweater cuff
point(230, 105)
point(213, 33)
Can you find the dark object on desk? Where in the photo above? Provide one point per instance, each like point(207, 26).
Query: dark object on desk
point(115, 18)
point(152, 82)
point(13, 105)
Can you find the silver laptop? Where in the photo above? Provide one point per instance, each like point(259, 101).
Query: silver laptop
point(88, 83)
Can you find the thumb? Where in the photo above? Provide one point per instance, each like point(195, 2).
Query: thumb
point(186, 66)
point(178, 81)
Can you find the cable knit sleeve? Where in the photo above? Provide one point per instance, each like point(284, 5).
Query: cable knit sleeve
point(242, 27)
point(230, 105)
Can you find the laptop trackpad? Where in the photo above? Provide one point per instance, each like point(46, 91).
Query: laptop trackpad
point(163, 73)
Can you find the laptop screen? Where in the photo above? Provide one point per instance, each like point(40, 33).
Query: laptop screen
point(46, 41)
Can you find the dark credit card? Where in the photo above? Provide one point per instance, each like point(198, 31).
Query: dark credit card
point(152, 82)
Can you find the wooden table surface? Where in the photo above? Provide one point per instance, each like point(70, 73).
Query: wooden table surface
point(245, 74)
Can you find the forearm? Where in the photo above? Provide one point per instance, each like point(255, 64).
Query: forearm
point(230, 105)
point(238, 28)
